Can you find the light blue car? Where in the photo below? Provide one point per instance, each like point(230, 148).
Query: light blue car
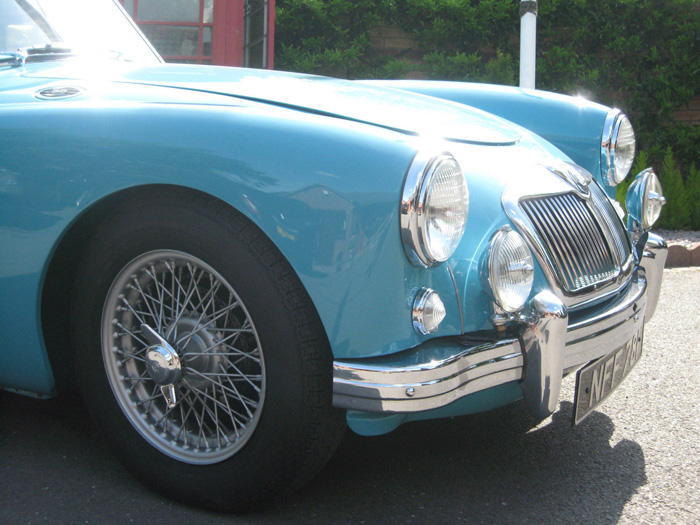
point(235, 265)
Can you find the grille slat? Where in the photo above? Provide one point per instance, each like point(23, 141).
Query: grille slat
point(594, 239)
point(584, 240)
point(570, 225)
point(614, 226)
point(547, 237)
point(563, 233)
point(593, 262)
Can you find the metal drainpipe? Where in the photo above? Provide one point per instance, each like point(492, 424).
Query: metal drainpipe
point(528, 42)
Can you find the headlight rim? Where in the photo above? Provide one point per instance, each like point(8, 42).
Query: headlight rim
point(413, 209)
point(639, 197)
point(609, 147)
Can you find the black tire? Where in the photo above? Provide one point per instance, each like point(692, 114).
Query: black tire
point(234, 458)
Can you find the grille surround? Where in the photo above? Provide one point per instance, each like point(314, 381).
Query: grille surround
point(569, 253)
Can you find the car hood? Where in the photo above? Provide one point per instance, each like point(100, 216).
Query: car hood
point(385, 107)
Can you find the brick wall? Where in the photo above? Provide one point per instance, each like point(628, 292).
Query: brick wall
point(396, 43)
point(391, 41)
point(689, 114)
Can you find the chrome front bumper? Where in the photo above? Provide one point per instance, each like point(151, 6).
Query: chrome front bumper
point(442, 371)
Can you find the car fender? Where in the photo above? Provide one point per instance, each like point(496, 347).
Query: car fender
point(327, 197)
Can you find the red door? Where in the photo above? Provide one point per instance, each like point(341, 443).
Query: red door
point(220, 32)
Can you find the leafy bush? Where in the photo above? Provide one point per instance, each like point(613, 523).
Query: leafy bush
point(693, 186)
point(642, 56)
point(329, 37)
point(681, 211)
point(676, 213)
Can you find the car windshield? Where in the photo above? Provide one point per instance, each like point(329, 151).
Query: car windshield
point(60, 28)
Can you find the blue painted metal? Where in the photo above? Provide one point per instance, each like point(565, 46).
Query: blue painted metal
point(317, 164)
point(572, 124)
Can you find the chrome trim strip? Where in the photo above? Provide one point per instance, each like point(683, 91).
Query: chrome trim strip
point(607, 149)
point(360, 385)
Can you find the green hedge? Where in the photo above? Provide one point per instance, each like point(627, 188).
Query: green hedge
point(642, 56)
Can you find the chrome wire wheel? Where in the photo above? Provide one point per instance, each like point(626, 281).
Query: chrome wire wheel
point(183, 357)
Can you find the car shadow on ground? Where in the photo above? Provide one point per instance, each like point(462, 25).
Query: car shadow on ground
point(487, 468)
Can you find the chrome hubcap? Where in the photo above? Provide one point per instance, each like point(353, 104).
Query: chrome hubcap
point(163, 365)
point(182, 357)
point(162, 362)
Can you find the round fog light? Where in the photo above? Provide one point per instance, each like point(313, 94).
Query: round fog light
point(510, 270)
point(428, 311)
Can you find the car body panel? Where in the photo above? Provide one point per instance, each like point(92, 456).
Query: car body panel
point(333, 215)
point(398, 109)
point(572, 124)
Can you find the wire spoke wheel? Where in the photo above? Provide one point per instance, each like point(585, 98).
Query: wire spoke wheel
point(183, 357)
point(199, 353)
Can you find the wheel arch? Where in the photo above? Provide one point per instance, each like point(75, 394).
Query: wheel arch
point(61, 274)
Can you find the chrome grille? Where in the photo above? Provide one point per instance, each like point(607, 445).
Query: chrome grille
point(584, 240)
point(617, 232)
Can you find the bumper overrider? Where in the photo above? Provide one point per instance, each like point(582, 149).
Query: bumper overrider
point(548, 345)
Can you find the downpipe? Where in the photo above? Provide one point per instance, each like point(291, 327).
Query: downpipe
point(528, 43)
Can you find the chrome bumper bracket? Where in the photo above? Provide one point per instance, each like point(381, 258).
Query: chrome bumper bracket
point(543, 342)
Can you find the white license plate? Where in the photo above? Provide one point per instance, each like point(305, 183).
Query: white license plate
point(597, 380)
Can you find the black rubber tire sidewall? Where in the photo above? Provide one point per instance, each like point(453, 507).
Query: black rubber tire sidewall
point(297, 428)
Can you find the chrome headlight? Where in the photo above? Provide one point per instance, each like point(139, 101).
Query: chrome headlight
point(434, 208)
point(645, 198)
point(617, 148)
point(510, 270)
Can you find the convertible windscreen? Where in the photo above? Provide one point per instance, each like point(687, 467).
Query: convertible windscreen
point(102, 28)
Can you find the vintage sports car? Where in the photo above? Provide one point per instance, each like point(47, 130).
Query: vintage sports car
point(234, 265)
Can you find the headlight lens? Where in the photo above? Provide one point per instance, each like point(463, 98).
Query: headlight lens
point(428, 311)
point(434, 209)
point(446, 206)
point(618, 147)
point(653, 201)
point(624, 150)
point(510, 270)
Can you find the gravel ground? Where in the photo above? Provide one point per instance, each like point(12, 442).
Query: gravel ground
point(684, 238)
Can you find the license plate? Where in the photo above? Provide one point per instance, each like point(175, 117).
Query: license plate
point(596, 381)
